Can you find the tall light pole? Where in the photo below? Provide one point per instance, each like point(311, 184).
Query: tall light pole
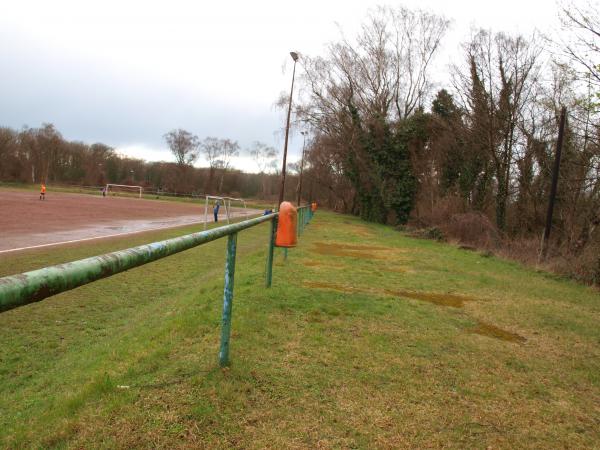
point(304, 133)
point(294, 56)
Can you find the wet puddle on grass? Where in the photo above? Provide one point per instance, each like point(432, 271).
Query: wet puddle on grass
point(352, 251)
point(489, 330)
point(454, 301)
point(360, 231)
point(312, 263)
point(450, 300)
point(396, 269)
point(331, 286)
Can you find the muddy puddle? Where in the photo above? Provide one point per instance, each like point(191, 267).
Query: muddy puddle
point(360, 231)
point(332, 286)
point(350, 250)
point(454, 301)
point(489, 330)
point(341, 246)
point(312, 263)
point(451, 300)
point(396, 269)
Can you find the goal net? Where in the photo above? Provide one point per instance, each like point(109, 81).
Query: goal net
point(123, 189)
point(223, 202)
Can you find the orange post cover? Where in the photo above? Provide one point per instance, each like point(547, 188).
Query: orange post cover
point(313, 206)
point(286, 226)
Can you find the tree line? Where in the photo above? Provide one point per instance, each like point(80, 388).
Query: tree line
point(391, 147)
point(43, 155)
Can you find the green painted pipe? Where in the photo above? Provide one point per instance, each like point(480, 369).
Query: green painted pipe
point(228, 299)
point(29, 287)
point(269, 271)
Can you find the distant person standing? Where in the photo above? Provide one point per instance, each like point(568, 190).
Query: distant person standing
point(104, 191)
point(43, 192)
point(216, 210)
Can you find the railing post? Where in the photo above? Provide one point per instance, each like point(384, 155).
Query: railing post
point(269, 271)
point(227, 299)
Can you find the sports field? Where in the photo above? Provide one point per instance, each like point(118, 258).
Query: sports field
point(28, 222)
point(367, 339)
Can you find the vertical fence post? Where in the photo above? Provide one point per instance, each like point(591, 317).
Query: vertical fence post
point(227, 299)
point(269, 271)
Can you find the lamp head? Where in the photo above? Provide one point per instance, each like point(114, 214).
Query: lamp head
point(294, 56)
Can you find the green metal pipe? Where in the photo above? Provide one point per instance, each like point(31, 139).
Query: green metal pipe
point(269, 270)
point(29, 287)
point(227, 299)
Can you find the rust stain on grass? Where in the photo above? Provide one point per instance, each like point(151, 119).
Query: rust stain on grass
point(489, 330)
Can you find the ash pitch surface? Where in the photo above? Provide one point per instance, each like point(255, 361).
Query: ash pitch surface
point(27, 222)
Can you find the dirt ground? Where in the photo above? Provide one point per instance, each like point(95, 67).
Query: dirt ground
point(26, 221)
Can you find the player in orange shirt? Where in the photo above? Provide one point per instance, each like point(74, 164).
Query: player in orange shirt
point(43, 192)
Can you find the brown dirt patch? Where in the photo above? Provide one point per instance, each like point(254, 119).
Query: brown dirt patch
point(27, 221)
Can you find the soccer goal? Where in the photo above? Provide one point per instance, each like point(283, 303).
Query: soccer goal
point(123, 189)
point(225, 202)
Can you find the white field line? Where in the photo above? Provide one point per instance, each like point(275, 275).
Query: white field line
point(100, 237)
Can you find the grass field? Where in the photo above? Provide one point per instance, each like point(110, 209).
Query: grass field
point(368, 339)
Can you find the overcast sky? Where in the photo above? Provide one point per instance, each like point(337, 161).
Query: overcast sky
point(126, 72)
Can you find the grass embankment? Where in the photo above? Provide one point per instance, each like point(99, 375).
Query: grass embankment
point(367, 339)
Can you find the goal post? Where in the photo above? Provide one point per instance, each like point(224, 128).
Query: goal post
point(225, 202)
point(123, 188)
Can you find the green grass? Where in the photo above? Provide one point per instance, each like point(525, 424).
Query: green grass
point(350, 348)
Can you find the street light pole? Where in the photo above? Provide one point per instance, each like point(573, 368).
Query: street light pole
point(304, 133)
point(294, 56)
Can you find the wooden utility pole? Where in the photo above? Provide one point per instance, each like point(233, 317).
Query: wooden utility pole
point(555, 172)
point(294, 56)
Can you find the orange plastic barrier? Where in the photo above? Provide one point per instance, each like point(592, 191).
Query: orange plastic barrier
point(286, 226)
point(313, 206)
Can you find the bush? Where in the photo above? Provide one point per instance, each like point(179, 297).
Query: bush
point(472, 229)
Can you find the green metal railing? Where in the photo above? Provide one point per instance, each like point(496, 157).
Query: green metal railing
point(36, 285)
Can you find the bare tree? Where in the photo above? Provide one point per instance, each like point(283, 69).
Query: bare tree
point(265, 158)
point(229, 150)
point(495, 86)
point(211, 147)
point(219, 153)
point(183, 145)
point(364, 87)
point(580, 41)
